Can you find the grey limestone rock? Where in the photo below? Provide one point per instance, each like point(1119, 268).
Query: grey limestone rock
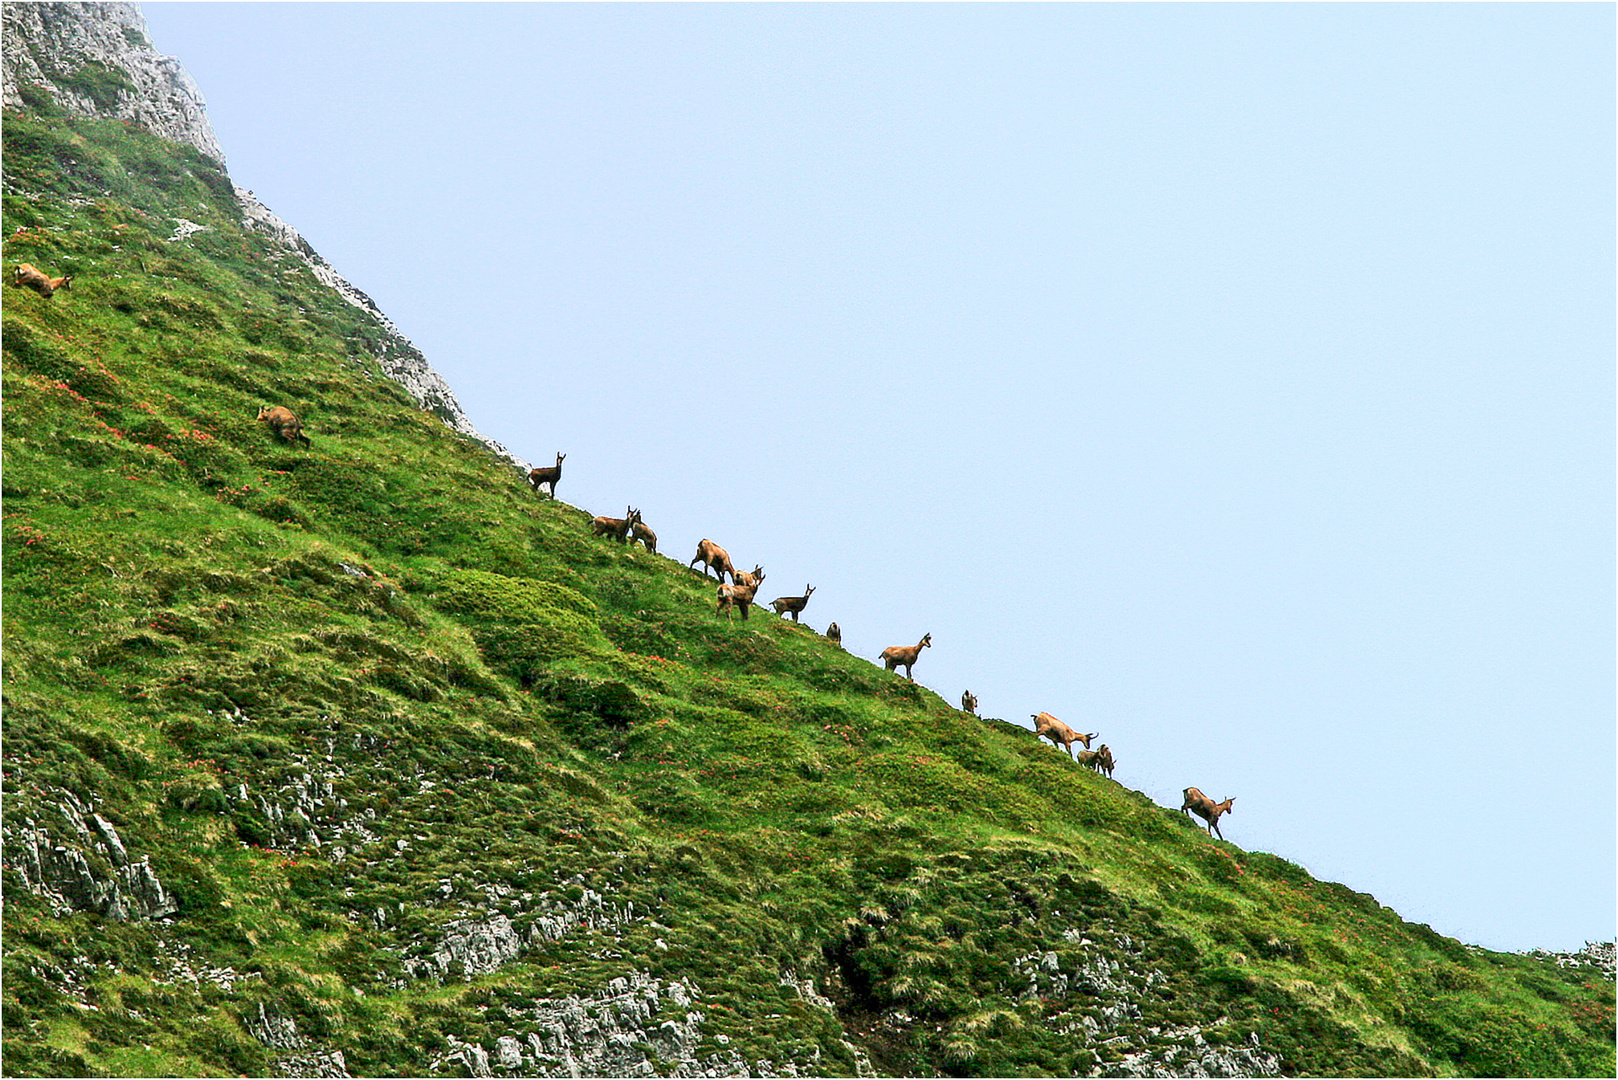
point(1113, 987)
point(77, 867)
point(52, 45)
point(636, 1025)
point(300, 1057)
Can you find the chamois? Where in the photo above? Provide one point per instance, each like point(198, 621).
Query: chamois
point(1090, 759)
point(791, 605)
point(284, 423)
point(740, 596)
point(1198, 803)
point(34, 278)
point(639, 531)
point(834, 634)
point(547, 474)
point(742, 577)
point(712, 555)
point(1059, 733)
point(1104, 762)
point(969, 702)
point(894, 655)
point(617, 528)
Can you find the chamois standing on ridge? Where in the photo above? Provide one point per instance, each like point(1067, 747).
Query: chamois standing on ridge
point(969, 702)
point(1198, 803)
point(1059, 733)
point(640, 531)
point(834, 634)
point(26, 275)
point(894, 655)
point(740, 596)
point(284, 423)
point(742, 577)
point(710, 554)
point(547, 474)
point(791, 605)
point(617, 528)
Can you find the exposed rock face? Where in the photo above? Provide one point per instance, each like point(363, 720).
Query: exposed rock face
point(64, 47)
point(635, 1026)
point(300, 1056)
point(1114, 989)
point(94, 59)
point(1600, 955)
point(86, 867)
point(478, 946)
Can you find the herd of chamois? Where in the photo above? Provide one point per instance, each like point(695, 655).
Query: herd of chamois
point(739, 593)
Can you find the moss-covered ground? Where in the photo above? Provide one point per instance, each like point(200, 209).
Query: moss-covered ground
point(202, 621)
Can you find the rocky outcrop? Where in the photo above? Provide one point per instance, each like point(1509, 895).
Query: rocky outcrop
point(95, 60)
point(471, 947)
point(1113, 988)
point(83, 865)
point(299, 1056)
point(636, 1025)
point(1600, 955)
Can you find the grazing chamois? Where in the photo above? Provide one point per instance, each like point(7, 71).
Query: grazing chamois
point(617, 528)
point(547, 474)
point(1199, 804)
point(894, 655)
point(1104, 762)
point(284, 423)
point(710, 554)
point(34, 278)
point(742, 577)
point(1090, 759)
point(969, 702)
point(834, 634)
point(791, 605)
point(1059, 733)
point(639, 531)
point(740, 596)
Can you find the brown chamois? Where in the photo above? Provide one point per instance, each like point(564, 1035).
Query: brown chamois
point(894, 655)
point(710, 554)
point(834, 634)
point(1090, 759)
point(639, 531)
point(1206, 809)
point(791, 605)
point(740, 596)
point(969, 702)
point(617, 528)
point(1104, 762)
point(1059, 733)
point(547, 474)
point(284, 423)
point(34, 278)
point(742, 577)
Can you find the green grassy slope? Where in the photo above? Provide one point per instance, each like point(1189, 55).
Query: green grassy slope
point(352, 698)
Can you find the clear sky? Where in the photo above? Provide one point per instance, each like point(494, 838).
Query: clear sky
point(1236, 381)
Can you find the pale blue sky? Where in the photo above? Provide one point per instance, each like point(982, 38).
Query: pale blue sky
point(1236, 381)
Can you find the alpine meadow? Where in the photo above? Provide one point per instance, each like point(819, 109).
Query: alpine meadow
point(335, 746)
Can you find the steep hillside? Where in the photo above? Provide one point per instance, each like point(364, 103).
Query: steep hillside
point(361, 756)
